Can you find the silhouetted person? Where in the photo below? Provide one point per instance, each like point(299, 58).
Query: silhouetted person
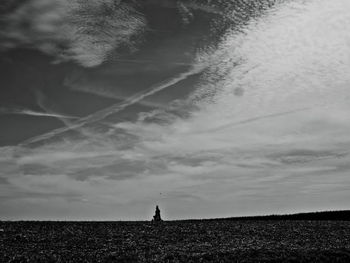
point(156, 217)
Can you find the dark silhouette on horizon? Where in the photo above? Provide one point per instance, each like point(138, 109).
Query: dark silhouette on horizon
point(157, 217)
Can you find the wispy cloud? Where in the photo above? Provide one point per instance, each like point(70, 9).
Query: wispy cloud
point(69, 30)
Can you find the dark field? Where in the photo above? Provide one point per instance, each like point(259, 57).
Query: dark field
point(176, 241)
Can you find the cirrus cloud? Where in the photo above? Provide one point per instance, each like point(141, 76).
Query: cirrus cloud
point(86, 32)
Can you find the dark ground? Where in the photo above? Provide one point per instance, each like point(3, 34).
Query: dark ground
point(217, 240)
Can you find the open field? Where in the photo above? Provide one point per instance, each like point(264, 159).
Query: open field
point(176, 241)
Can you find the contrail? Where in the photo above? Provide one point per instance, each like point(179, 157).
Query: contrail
point(258, 118)
point(100, 115)
point(35, 113)
point(111, 95)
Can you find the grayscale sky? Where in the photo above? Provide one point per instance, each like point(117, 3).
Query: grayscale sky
point(206, 108)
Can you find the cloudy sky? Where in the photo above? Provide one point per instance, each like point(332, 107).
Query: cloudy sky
point(206, 108)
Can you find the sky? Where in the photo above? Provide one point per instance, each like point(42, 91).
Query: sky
point(206, 108)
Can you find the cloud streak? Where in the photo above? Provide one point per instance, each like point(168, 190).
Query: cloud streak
point(34, 113)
